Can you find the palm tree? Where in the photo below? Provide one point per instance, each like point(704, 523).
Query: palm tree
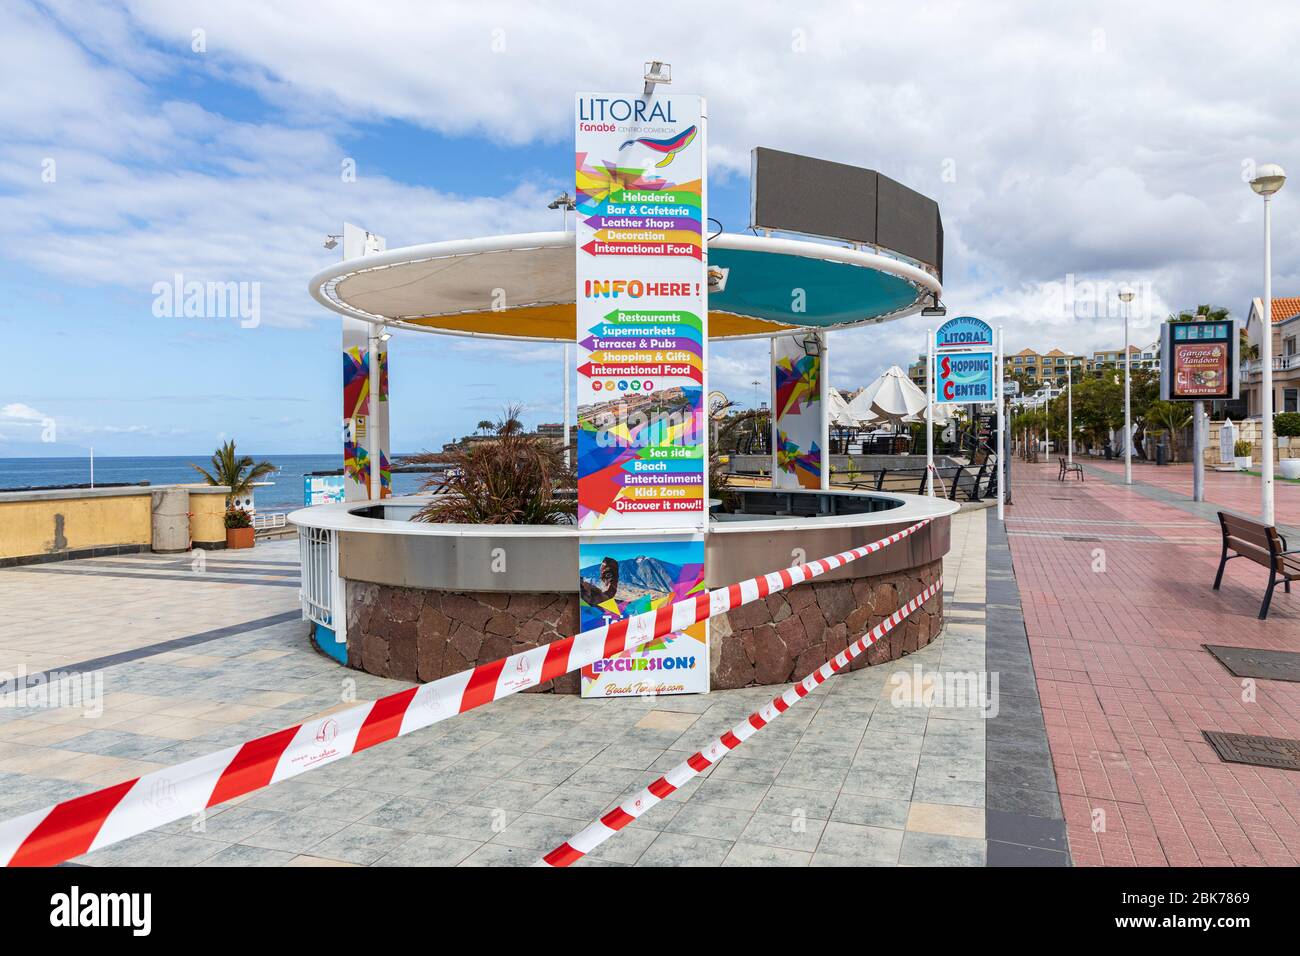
point(484, 427)
point(1202, 313)
point(1249, 350)
point(229, 469)
point(512, 478)
point(1171, 417)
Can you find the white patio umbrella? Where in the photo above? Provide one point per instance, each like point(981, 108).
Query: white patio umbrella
point(838, 410)
point(892, 396)
point(943, 413)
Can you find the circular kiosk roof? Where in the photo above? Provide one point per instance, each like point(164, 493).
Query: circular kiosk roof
point(522, 286)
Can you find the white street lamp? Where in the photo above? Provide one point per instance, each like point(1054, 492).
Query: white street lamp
point(1069, 410)
point(1268, 180)
point(1126, 296)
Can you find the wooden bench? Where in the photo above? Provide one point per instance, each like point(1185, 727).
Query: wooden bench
point(1262, 544)
point(1070, 468)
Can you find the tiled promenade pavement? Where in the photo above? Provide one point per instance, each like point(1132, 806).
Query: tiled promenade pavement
point(1116, 590)
point(1232, 491)
point(67, 612)
point(845, 778)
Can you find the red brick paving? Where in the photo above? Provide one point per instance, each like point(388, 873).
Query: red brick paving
point(1236, 491)
point(1127, 688)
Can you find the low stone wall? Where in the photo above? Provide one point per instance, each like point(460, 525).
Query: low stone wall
point(420, 635)
point(784, 637)
point(58, 524)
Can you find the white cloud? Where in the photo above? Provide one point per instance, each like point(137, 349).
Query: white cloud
point(20, 412)
point(1102, 142)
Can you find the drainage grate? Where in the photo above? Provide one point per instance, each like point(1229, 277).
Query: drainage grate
point(1257, 662)
point(1078, 537)
point(1279, 752)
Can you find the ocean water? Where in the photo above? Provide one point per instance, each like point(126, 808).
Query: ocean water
point(284, 494)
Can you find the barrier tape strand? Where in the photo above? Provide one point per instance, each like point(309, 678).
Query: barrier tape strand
point(95, 820)
point(576, 847)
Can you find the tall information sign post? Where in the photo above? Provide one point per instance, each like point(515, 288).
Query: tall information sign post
point(642, 336)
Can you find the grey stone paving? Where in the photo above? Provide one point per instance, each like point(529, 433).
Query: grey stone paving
point(1023, 820)
point(853, 775)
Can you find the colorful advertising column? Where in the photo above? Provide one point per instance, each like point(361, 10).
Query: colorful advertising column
point(798, 420)
point(365, 402)
point(642, 344)
point(365, 413)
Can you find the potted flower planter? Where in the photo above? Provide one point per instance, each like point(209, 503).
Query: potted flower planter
point(1290, 468)
point(1241, 452)
point(239, 529)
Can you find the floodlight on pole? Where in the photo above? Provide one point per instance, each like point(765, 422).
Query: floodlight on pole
point(563, 202)
point(935, 309)
point(656, 72)
point(1268, 180)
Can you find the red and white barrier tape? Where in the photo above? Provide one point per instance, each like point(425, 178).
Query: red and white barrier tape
point(593, 836)
point(94, 820)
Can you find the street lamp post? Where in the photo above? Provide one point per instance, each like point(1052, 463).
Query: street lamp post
point(1126, 296)
point(1268, 180)
point(1047, 421)
point(1069, 412)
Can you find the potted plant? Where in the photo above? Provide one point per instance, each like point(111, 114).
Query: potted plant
point(239, 528)
point(1241, 451)
point(1286, 426)
point(509, 478)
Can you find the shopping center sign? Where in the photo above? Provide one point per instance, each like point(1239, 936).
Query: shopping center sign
point(964, 362)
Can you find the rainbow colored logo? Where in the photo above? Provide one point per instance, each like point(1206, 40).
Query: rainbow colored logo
point(670, 146)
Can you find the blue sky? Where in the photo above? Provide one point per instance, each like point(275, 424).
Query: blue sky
point(1083, 143)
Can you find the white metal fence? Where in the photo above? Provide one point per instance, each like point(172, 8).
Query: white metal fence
point(317, 554)
point(269, 521)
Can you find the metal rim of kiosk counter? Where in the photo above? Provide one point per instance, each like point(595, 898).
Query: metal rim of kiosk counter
point(535, 558)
